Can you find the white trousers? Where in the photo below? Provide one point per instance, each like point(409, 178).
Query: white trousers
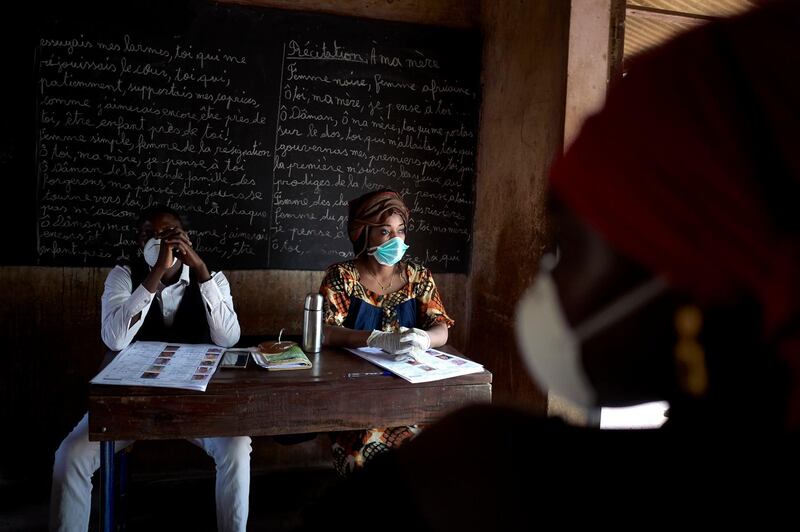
point(77, 459)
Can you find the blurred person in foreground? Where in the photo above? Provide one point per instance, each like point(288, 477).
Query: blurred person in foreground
point(677, 277)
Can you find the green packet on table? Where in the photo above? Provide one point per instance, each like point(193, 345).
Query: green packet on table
point(290, 358)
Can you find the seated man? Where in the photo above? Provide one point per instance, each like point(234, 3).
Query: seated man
point(164, 293)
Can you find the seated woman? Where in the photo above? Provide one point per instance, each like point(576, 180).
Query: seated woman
point(381, 301)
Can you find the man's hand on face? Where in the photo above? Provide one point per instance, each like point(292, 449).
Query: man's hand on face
point(178, 242)
point(165, 258)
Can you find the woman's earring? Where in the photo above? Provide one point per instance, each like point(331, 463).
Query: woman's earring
point(689, 354)
point(550, 259)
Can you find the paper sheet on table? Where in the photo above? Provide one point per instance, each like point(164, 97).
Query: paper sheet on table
point(432, 365)
point(162, 364)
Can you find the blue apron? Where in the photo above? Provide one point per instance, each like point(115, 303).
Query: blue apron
point(363, 316)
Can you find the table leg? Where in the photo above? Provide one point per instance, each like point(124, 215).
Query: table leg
point(107, 486)
point(121, 472)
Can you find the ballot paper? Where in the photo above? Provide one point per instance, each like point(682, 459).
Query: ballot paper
point(162, 364)
point(421, 366)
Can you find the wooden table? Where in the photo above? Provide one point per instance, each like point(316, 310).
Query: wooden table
point(340, 392)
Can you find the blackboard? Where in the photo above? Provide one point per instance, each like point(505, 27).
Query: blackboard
point(257, 124)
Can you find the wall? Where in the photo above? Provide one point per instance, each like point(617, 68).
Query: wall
point(524, 77)
point(453, 13)
point(50, 322)
point(590, 44)
point(587, 69)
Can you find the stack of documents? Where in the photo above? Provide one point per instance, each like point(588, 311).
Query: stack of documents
point(291, 358)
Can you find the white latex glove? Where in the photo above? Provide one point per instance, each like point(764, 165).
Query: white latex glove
point(389, 342)
point(417, 338)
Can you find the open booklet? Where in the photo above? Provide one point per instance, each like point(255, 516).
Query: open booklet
point(432, 365)
point(162, 364)
point(291, 358)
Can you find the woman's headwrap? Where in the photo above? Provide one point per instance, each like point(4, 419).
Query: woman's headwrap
point(693, 166)
point(372, 210)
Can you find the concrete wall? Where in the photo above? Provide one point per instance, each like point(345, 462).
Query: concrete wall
point(524, 79)
point(590, 46)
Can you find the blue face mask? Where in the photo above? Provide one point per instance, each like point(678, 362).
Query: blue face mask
point(390, 252)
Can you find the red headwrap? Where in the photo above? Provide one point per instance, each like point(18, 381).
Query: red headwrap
point(693, 166)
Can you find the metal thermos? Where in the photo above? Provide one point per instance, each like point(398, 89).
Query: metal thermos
point(312, 323)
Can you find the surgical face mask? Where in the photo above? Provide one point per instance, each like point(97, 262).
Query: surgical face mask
point(390, 252)
point(551, 348)
point(151, 250)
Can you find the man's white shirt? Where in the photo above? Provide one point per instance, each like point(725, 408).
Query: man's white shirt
point(120, 303)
